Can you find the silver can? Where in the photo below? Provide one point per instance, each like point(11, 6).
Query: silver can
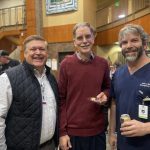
point(124, 117)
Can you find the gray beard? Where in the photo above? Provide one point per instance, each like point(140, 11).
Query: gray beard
point(135, 57)
point(131, 58)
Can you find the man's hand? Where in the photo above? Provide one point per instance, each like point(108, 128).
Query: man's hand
point(133, 128)
point(112, 139)
point(100, 99)
point(64, 142)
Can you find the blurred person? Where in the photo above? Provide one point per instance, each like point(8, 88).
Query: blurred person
point(6, 62)
point(117, 64)
point(114, 67)
point(112, 70)
point(28, 101)
point(131, 93)
point(84, 86)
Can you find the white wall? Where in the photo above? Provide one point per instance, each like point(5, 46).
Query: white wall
point(110, 51)
point(10, 3)
point(15, 54)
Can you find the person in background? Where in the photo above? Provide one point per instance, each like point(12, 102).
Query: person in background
point(112, 70)
point(114, 67)
point(117, 64)
point(28, 101)
point(6, 62)
point(84, 86)
point(131, 93)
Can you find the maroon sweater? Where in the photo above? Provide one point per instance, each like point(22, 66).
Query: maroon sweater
point(78, 81)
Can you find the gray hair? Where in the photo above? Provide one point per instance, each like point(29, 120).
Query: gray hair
point(33, 38)
point(84, 24)
point(136, 30)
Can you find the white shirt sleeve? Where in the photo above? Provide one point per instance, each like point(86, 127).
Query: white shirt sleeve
point(5, 102)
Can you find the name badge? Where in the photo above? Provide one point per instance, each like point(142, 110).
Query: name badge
point(143, 112)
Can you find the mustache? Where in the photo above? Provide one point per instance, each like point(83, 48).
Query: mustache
point(131, 50)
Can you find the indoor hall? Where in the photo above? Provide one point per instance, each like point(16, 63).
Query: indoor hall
point(54, 20)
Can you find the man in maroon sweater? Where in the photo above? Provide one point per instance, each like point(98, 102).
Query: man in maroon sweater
point(84, 85)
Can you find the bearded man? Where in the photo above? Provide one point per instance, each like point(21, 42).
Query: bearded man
point(130, 91)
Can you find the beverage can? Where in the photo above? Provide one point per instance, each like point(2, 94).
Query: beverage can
point(124, 117)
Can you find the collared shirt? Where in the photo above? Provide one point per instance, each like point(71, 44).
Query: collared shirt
point(91, 57)
point(49, 107)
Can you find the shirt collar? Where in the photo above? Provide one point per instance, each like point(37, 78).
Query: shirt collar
point(36, 72)
point(91, 57)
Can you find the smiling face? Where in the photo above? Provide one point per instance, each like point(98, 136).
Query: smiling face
point(36, 53)
point(84, 40)
point(132, 47)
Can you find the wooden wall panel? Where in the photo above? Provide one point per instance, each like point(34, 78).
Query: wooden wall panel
point(64, 33)
point(110, 36)
point(58, 34)
point(30, 3)
point(31, 17)
point(6, 45)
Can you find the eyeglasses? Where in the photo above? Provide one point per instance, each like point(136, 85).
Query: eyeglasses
point(37, 48)
point(86, 37)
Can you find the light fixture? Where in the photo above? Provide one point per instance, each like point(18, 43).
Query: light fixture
point(121, 16)
point(116, 43)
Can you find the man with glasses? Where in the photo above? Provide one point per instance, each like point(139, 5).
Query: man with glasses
point(84, 88)
point(28, 101)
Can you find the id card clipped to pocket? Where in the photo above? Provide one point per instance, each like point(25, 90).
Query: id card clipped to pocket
point(143, 109)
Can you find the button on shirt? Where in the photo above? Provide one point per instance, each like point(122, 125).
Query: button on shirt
point(49, 108)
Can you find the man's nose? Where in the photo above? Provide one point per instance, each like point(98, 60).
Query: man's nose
point(38, 50)
point(84, 39)
point(129, 44)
